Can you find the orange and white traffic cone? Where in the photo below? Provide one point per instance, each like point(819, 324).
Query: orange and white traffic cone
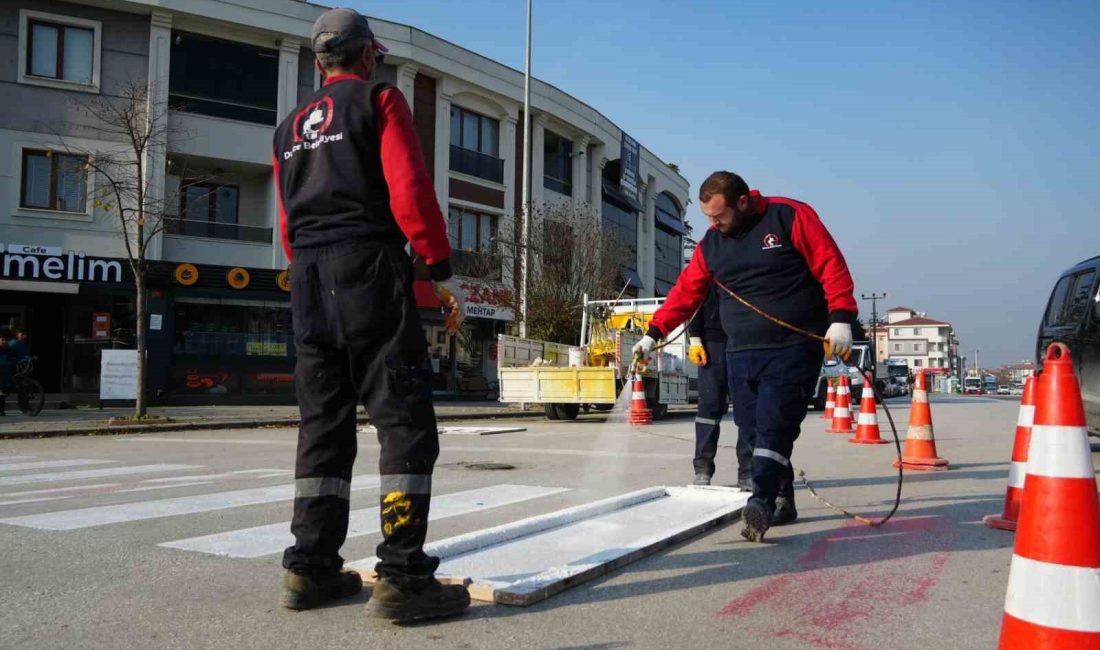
point(867, 431)
point(639, 412)
point(1015, 492)
point(842, 414)
point(830, 401)
point(920, 442)
point(1053, 596)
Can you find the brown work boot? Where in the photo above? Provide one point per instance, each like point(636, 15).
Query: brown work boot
point(416, 599)
point(309, 590)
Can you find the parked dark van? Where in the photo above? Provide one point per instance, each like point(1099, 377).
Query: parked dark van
point(1072, 317)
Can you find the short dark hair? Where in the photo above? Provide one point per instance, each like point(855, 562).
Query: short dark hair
point(729, 185)
point(343, 55)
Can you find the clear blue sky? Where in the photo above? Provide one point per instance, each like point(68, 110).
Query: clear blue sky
point(952, 148)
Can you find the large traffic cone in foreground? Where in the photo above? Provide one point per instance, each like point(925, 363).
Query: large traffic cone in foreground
point(867, 431)
point(1015, 492)
point(639, 412)
point(830, 401)
point(842, 414)
point(1053, 597)
point(920, 442)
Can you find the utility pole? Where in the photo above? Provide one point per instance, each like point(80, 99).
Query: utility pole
point(874, 298)
point(525, 222)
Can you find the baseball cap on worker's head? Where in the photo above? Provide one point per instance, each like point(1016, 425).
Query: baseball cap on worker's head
point(337, 26)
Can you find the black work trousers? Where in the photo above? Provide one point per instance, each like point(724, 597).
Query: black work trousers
point(713, 405)
point(359, 338)
point(771, 390)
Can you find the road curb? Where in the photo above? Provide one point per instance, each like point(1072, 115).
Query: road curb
point(105, 430)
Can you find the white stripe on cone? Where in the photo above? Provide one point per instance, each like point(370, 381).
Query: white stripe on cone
point(867, 418)
point(640, 396)
point(1027, 415)
point(920, 432)
point(1068, 599)
point(842, 412)
point(1059, 452)
point(1016, 474)
point(920, 396)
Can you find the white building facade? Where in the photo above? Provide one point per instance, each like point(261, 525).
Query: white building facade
point(228, 73)
point(924, 343)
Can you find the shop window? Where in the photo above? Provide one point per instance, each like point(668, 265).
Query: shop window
point(215, 328)
point(59, 49)
point(475, 145)
point(558, 163)
point(54, 181)
point(220, 78)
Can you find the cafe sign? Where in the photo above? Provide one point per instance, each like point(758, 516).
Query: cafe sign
point(33, 262)
point(487, 301)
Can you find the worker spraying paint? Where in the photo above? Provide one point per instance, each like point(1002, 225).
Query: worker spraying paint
point(353, 190)
point(776, 253)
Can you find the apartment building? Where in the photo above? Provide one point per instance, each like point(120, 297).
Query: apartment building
point(924, 343)
point(228, 72)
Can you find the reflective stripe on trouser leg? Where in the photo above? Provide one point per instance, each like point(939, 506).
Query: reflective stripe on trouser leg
point(322, 486)
point(768, 453)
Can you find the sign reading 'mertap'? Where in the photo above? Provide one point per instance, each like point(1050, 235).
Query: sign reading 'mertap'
point(33, 262)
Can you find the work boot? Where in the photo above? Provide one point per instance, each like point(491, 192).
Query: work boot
point(785, 512)
point(744, 483)
point(701, 478)
point(309, 590)
point(416, 599)
point(757, 520)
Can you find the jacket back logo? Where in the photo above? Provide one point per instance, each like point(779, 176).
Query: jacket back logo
point(313, 120)
point(771, 241)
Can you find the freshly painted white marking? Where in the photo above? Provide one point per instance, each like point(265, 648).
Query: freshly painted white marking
point(124, 512)
point(58, 477)
point(1054, 595)
point(50, 464)
point(149, 488)
point(4, 460)
point(214, 441)
point(265, 540)
point(31, 500)
point(259, 473)
point(1060, 452)
point(77, 488)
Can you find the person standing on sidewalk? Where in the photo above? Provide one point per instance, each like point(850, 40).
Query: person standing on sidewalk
point(353, 189)
point(777, 255)
point(708, 351)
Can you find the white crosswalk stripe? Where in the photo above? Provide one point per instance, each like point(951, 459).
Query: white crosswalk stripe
point(142, 510)
point(265, 540)
point(80, 475)
point(4, 460)
point(50, 464)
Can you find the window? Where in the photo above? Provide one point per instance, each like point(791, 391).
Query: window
point(917, 363)
point(59, 51)
point(916, 331)
point(213, 210)
point(1057, 305)
point(897, 347)
point(220, 78)
point(668, 242)
point(897, 331)
point(471, 231)
point(1077, 304)
point(558, 162)
point(622, 222)
point(54, 181)
point(475, 145)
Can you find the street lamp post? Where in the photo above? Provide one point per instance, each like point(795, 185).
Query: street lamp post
point(874, 298)
point(525, 220)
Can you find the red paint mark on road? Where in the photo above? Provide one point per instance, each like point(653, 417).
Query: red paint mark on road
point(853, 578)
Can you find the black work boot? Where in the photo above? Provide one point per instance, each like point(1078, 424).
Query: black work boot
point(701, 478)
point(757, 520)
point(309, 590)
point(416, 599)
point(785, 512)
point(745, 483)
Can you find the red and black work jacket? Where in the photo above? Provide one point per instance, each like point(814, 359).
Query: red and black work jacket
point(348, 165)
point(783, 261)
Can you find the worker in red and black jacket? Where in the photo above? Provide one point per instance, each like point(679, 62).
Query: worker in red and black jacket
point(777, 255)
point(353, 190)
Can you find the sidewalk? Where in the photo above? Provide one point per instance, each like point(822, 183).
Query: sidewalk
point(90, 421)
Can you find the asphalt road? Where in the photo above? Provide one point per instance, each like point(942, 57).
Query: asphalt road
point(934, 577)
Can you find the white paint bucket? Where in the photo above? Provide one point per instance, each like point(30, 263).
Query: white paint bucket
point(576, 357)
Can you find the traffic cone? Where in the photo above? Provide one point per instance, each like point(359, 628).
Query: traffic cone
point(842, 414)
point(830, 401)
point(867, 431)
point(920, 442)
point(1053, 596)
point(1015, 491)
point(639, 412)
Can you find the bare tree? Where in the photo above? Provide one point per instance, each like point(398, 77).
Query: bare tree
point(133, 130)
point(573, 254)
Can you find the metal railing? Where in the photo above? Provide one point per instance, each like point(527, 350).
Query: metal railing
point(475, 163)
point(215, 230)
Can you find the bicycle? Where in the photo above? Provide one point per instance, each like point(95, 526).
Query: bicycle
point(29, 394)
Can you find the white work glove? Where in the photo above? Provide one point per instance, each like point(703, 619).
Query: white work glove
point(644, 347)
point(838, 341)
point(454, 300)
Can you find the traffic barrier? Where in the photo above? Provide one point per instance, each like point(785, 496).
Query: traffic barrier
point(842, 414)
point(1014, 493)
point(920, 441)
point(867, 431)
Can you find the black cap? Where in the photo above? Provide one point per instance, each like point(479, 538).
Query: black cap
point(337, 26)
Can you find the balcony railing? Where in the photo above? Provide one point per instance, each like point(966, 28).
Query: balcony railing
point(477, 265)
point(475, 163)
point(215, 230)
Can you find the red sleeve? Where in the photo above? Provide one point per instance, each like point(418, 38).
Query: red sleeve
point(282, 209)
point(412, 195)
point(685, 298)
point(826, 262)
